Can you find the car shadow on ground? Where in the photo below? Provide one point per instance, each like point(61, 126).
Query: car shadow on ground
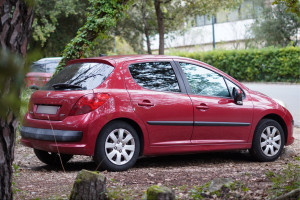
point(169, 161)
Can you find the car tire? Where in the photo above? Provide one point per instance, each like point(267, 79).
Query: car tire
point(268, 141)
point(50, 158)
point(117, 147)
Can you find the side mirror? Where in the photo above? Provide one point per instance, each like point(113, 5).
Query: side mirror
point(237, 96)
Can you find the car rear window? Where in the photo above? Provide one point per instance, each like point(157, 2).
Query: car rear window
point(44, 67)
point(79, 76)
point(36, 67)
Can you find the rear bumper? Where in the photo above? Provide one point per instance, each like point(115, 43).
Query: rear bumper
point(50, 135)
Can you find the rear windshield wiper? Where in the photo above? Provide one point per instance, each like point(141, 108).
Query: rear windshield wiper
point(65, 86)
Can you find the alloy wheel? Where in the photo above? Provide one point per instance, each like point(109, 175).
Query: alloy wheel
point(119, 146)
point(270, 141)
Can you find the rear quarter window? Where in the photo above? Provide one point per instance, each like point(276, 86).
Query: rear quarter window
point(82, 76)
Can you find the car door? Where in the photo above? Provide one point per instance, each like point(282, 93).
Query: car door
point(159, 98)
point(217, 118)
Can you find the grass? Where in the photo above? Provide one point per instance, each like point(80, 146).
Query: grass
point(25, 97)
point(286, 180)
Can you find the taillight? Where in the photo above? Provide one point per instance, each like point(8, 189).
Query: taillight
point(88, 103)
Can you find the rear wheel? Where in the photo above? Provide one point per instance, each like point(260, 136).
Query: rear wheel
point(50, 158)
point(268, 141)
point(117, 147)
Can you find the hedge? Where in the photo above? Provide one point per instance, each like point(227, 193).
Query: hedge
point(270, 64)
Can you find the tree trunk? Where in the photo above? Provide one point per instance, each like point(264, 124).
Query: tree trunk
point(89, 185)
point(7, 143)
point(146, 27)
point(15, 26)
point(15, 30)
point(160, 26)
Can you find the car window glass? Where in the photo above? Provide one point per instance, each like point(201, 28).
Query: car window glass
point(84, 75)
point(50, 67)
point(37, 67)
point(155, 76)
point(204, 82)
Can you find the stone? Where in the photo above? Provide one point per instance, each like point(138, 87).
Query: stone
point(89, 185)
point(156, 192)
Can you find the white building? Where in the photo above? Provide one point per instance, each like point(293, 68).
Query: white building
point(231, 30)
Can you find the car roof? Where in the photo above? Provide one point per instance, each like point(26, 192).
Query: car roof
point(113, 60)
point(50, 59)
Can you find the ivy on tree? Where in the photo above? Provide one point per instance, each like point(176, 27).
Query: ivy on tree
point(102, 15)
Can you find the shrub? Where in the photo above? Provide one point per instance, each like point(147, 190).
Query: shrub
point(269, 64)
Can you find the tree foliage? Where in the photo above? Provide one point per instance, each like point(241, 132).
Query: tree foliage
point(292, 5)
point(56, 23)
point(276, 27)
point(102, 15)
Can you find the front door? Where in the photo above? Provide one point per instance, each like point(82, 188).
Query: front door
point(217, 119)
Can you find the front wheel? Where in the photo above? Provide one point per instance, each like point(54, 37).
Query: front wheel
point(50, 158)
point(268, 141)
point(117, 147)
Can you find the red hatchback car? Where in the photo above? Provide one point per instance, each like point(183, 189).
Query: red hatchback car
point(117, 108)
point(41, 72)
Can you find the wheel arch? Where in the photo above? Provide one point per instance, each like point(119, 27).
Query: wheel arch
point(135, 125)
point(278, 119)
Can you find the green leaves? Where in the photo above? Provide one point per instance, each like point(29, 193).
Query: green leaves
point(285, 181)
point(276, 27)
point(103, 15)
point(270, 64)
point(11, 79)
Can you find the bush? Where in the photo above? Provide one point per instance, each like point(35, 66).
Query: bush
point(270, 64)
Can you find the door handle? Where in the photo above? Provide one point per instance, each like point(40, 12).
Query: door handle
point(145, 103)
point(202, 106)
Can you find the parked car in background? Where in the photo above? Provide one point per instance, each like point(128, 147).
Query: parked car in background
point(41, 71)
point(117, 108)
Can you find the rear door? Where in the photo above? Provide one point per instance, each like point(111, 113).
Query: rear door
point(159, 98)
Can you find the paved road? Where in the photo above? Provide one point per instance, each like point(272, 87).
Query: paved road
point(288, 93)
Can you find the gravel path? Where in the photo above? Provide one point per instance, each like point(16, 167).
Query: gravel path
point(35, 180)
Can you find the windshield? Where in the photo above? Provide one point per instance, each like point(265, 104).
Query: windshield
point(79, 76)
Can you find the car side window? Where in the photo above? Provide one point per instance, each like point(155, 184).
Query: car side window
point(204, 82)
point(155, 76)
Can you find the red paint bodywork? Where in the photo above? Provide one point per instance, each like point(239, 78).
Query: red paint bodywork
point(137, 105)
point(37, 78)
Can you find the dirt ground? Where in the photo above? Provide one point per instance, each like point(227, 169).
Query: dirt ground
point(35, 180)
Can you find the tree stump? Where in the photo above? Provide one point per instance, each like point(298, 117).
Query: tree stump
point(89, 185)
point(156, 192)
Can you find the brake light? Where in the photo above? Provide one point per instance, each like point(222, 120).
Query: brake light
point(88, 103)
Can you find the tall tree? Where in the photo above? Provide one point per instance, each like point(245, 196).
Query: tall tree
point(276, 27)
point(146, 26)
point(55, 24)
point(15, 30)
point(292, 5)
point(177, 12)
point(160, 26)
